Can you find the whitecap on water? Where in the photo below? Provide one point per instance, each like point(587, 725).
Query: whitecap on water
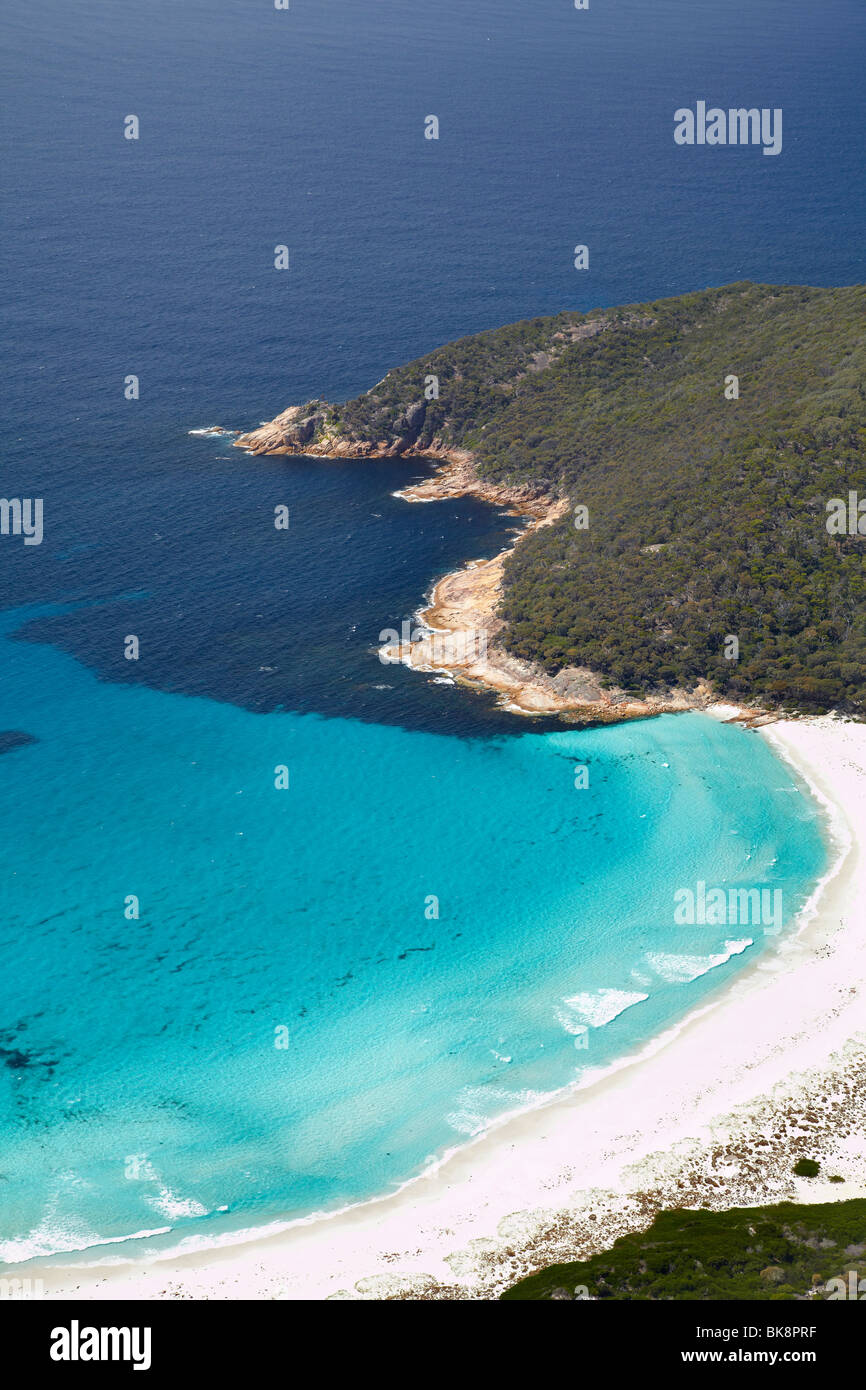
point(172, 1206)
point(680, 970)
point(596, 1008)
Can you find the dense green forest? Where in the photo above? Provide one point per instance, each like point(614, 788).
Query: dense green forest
point(775, 1252)
point(707, 514)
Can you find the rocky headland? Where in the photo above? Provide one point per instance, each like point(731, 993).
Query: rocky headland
point(459, 631)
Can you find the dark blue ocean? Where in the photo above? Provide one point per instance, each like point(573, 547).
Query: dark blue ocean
point(141, 1088)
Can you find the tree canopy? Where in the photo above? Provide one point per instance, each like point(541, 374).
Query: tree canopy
point(707, 500)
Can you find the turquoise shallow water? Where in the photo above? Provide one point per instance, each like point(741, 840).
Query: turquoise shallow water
point(143, 1088)
point(139, 1086)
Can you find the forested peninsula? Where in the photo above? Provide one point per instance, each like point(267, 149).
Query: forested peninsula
point(702, 460)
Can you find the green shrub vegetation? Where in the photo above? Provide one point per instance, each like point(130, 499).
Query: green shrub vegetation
point(707, 516)
point(775, 1252)
point(807, 1168)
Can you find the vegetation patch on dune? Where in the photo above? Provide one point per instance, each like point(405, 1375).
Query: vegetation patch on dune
point(786, 1251)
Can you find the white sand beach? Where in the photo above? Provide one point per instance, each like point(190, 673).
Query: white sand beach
point(714, 1113)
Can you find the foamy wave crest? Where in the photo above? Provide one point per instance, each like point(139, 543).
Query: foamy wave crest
point(476, 1103)
point(596, 1008)
point(465, 1122)
point(679, 970)
point(172, 1206)
point(57, 1240)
